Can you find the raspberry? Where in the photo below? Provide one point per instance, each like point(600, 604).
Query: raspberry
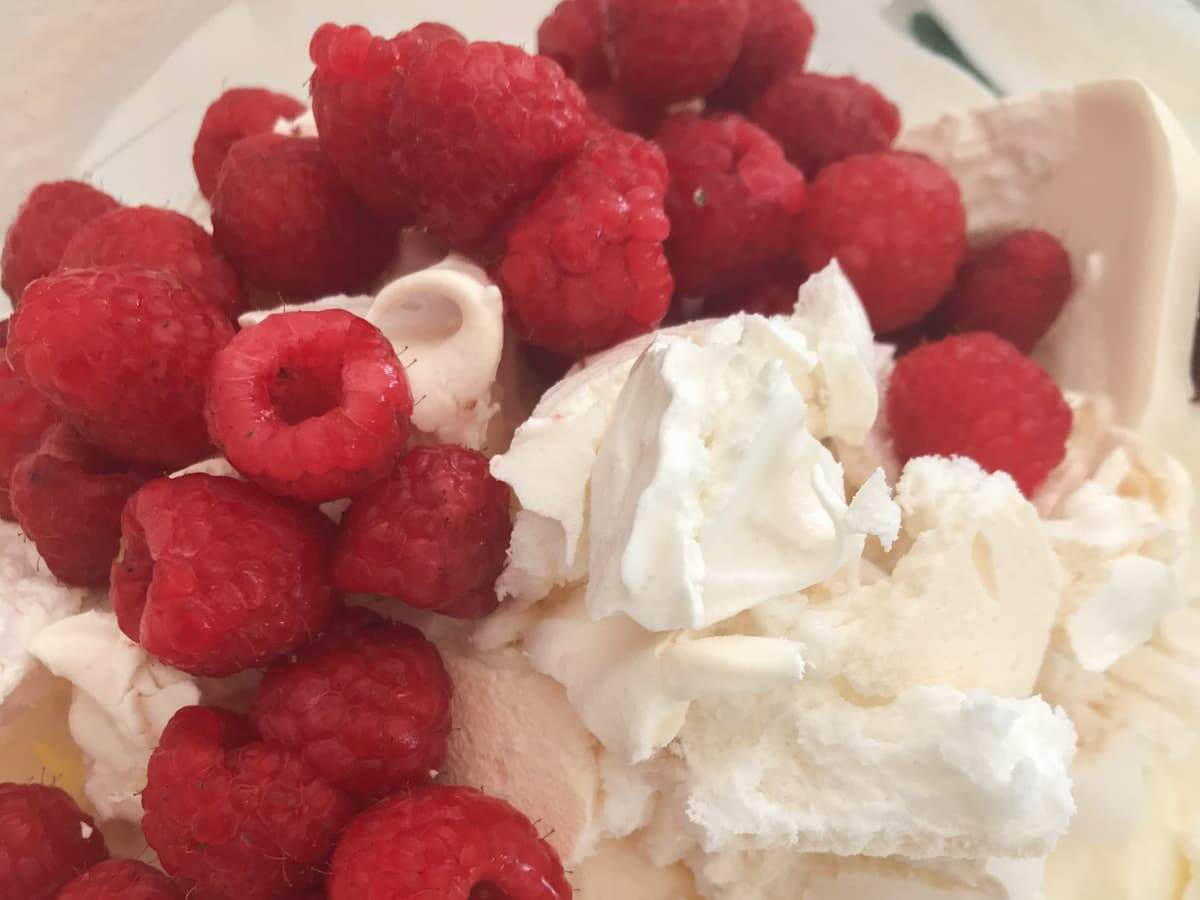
point(895, 222)
point(820, 119)
point(312, 405)
point(584, 266)
point(1014, 287)
point(774, 296)
point(671, 50)
point(216, 576)
point(45, 841)
point(573, 36)
point(45, 223)
point(625, 113)
point(778, 36)
point(68, 498)
point(237, 113)
point(975, 395)
point(356, 74)
point(434, 535)
point(234, 816)
point(734, 201)
point(158, 239)
point(367, 706)
point(445, 842)
point(478, 129)
point(122, 879)
point(289, 224)
point(24, 417)
point(123, 354)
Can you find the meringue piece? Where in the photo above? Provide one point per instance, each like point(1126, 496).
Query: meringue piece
point(1110, 792)
point(30, 600)
point(304, 125)
point(618, 869)
point(358, 305)
point(122, 700)
point(632, 687)
point(937, 772)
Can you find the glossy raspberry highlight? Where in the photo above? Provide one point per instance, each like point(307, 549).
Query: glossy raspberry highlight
point(158, 239)
point(215, 575)
point(451, 842)
point(122, 879)
point(289, 224)
point(367, 705)
point(123, 355)
point(45, 841)
point(312, 405)
point(434, 535)
point(45, 223)
point(777, 39)
point(734, 201)
point(68, 499)
point(478, 129)
point(976, 395)
point(236, 817)
point(895, 222)
point(236, 114)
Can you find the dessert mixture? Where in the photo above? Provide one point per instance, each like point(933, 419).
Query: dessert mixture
point(646, 469)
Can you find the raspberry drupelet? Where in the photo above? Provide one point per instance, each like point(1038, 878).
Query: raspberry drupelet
point(477, 129)
point(289, 224)
point(366, 705)
point(819, 119)
point(1014, 287)
point(434, 535)
point(215, 575)
point(976, 395)
point(45, 223)
point(734, 201)
point(231, 816)
point(312, 405)
point(68, 499)
point(158, 239)
point(24, 417)
point(573, 36)
point(441, 841)
point(672, 50)
point(122, 879)
point(45, 841)
point(895, 222)
point(584, 266)
point(352, 85)
point(236, 114)
point(123, 355)
point(778, 36)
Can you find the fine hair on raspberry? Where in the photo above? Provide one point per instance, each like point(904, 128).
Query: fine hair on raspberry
point(45, 841)
point(238, 113)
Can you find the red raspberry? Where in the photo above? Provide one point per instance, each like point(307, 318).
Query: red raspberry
point(45, 223)
point(975, 395)
point(216, 576)
point(45, 841)
point(158, 239)
point(352, 90)
point(670, 50)
point(122, 879)
point(312, 405)
point(573, 36)
point(584, 266)
point(778, 36)
point(68, 498)
point(820, 119)
point(445, 842)
point(775, 296)
point(625, 113)
point(124, 355)
point(734, 201)
point(434, 535)
point(367, 706)
point(234, 816)
point(1014, 287)
point(289, 224)
point(895, 222)
point(477, 129)
point(24, 417)
point(237, 113)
